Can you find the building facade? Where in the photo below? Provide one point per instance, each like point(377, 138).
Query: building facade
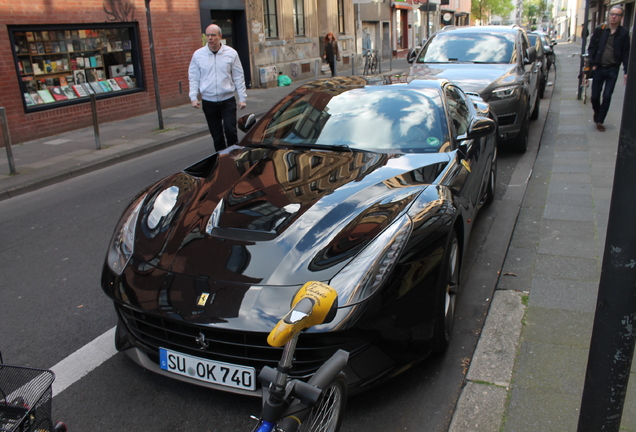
point(56, 54)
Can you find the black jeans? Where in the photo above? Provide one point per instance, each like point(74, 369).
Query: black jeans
point(221, 118)
point(607, 76)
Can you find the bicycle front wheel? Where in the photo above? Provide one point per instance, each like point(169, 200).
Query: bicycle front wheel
point(326, 415)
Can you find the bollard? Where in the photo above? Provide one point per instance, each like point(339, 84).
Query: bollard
point(316, 68)
point(353, 61)
point(98, 145)
point(7, 140)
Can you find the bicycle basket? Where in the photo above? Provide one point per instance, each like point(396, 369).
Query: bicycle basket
point(25, 399)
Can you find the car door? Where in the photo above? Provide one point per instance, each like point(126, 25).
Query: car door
point(469, 154)
point(531, 71)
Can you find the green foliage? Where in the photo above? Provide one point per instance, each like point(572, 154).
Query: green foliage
point(482, 10)
point(534, 11)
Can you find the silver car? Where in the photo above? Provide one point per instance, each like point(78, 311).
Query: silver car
point(498, 63)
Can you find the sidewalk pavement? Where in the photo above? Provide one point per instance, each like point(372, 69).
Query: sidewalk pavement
point(54, 159)
point(528, 371)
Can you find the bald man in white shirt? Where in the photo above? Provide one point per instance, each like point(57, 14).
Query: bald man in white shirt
point(216, 73)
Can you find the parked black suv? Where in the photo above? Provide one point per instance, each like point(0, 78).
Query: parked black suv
point(498, 63)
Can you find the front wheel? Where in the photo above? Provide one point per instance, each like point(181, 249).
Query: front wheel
point(520, 143)
point(326, 415)
point(447, 300)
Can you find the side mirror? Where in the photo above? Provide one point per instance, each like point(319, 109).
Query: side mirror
point(246, 122)
point(532, 56)
point(413, 54)
point(480, 127)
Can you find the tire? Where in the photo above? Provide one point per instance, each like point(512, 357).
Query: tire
point(520, 143)
point(326, 415)
point(374, 65)
point(492, 181)
point(544, 82)
point(535, 112)
point(447, 300)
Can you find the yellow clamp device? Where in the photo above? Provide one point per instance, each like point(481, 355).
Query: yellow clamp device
point(317, 299)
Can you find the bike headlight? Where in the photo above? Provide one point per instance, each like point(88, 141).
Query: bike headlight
point(122, 245)
point(506, 92)
point(367, 271)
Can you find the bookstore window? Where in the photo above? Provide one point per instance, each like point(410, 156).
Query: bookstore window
point(270, 18)
point(61, 65)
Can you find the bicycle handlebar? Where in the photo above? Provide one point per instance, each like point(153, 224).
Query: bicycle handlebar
point(314, 304)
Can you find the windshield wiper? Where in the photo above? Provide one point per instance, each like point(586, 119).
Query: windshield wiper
point(340, 147)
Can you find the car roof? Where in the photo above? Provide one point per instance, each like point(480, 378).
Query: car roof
point(412, 81)
point(482, 29)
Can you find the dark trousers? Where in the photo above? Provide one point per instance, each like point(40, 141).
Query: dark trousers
point(332, 66)
point(221, 118)
point(603, 81)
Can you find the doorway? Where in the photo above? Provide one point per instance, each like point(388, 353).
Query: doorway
point(233, 26)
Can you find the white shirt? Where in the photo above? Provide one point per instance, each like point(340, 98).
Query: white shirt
point(216, 76)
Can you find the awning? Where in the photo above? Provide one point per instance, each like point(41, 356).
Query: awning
point(401, 5)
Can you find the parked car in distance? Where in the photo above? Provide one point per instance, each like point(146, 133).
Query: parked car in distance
point(498, 63)
point(542, 60)
point(548, 47)
point(370, 184)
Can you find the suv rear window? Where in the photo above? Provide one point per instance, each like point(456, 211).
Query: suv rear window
point(470, 47)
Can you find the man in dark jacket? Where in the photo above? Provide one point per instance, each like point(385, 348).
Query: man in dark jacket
point(609, 47)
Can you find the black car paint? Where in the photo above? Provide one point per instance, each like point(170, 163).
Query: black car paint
point(252, 265)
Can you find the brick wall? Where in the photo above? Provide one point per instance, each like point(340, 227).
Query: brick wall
point(176, 34)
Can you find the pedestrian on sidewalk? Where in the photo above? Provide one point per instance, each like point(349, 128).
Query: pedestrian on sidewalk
point(609, 47)
point(216, 73)
point(331, 52)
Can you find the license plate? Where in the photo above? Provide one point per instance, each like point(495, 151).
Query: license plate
point(225, 374)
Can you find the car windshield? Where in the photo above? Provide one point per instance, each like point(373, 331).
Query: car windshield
point(375, 118)
point(470, 47)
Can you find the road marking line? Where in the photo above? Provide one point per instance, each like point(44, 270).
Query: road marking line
point(83, 361)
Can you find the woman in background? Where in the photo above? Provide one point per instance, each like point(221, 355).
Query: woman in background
point(331, 52)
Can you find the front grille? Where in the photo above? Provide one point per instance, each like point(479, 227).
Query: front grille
point(237, 347)
point(507, 119)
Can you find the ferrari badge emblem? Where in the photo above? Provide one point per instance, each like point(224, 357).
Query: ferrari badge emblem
point(203, 299)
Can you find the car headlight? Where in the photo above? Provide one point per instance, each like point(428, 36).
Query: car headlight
point(367, 271)
point(122, 245)
point(506, 92)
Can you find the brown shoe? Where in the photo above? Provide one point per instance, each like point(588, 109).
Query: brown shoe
point(600, 127)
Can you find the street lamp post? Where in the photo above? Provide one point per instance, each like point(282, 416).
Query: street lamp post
point(154, 64)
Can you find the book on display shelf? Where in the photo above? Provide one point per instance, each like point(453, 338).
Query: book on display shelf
point(68, 91)
point(28, 100)
point(121, 82)
point(58, 94)
point(105, 86)
point(36, 97)
point(46, 96)
point(113, 84)
point(90, 75)
point(129, 81)
point(80, 91)
point(79, 76)
point(88, 88)
point(96, 87)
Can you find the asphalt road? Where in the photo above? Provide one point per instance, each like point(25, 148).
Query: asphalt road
point(52, 246)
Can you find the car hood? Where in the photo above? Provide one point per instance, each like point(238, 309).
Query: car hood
point(479, 78)
point(276, 216)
